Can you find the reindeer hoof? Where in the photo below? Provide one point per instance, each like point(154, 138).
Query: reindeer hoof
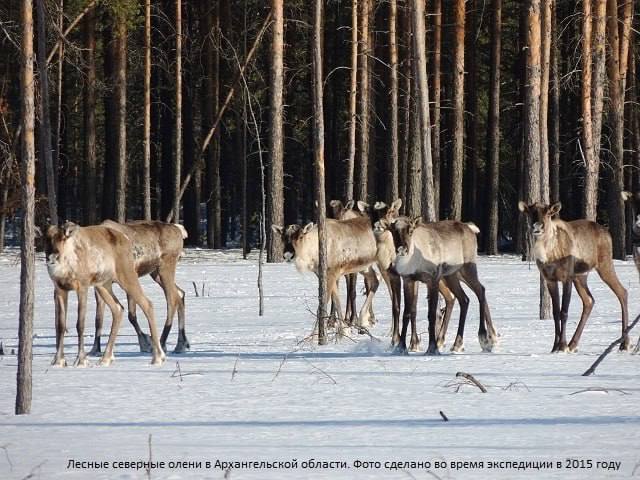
point(95, 352)
point(414, 347)
point(400, 350)
point(625, 345)
point(182, 347)
point(106, 361)
point(59, 362)
point(486, 343)
point(158, 359)
point(457, 348)
point(81, 361)
point(144, 341)
point(432, 351)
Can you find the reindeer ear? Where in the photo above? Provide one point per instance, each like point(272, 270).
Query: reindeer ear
point(362, 206)
point(397, 204)
point(69, 228)
point(38, 232)
point(554, 209)
point(416, 221)
point(349, 205)
point(277, 229)
point(626, 195)
point(523, 207)
point(51, 231)
point(307, 227)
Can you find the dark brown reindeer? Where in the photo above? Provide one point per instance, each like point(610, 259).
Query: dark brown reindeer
point(566, 252)
point(438, 251)
point(97, 256)
point(157, 247)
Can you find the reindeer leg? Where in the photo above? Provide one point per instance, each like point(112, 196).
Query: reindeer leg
point(486, 333)
point(552, 286)
point(60, 298)
point(453, 283)
point(414, 345)
point(341, 328)
point(449, 300)
point(365, 312)
point(81, 359)
point(183, 343)
point(350, 315)
point(368, 286)
point(331, 323)
point(608, 276)
point(95, 350)
point(432, 294)
point(409, 291)
point(564, 314)
point(143, 338)
point(580, 283)
point(393, 282)
point(117, 309)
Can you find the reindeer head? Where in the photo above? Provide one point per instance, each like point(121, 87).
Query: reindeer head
point(634, 199)
point(402, 230)
point(388, 212)
point(291, 237)
point(55, 239)
point(539, 216)
point(344, 212)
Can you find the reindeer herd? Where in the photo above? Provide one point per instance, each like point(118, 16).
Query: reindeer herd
point(360, 240)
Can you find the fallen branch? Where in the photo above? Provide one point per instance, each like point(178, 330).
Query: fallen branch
point(284, 359)
point(195, 289)
point(6, 453)
point(473, 380)
point(592, 369)
point(601, 389)
point(321, 371)
point(235, 368)
point(444, 417)
point(150, 459)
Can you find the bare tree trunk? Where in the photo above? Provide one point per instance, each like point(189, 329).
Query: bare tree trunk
point(392, 178)
point(554, 168)
point(362, 185)
point(215, 207)
point(493, 130)
point(544, 98)
point(457, 161)
point(27, 248)
point(121, 99)
point(57, 164)
point(177, 161)
point(592, 160)
point(45, 117)
point(353, 108)
point(275, 213)
point(90, 185)
point(406, 103)
point(414, 160)
point(471, 204)
point(531, 147)
point(616, 118)
point(625, 36)
point(437, 56)
point(599, 71)
point(420, 57)
point(318, 153)
point(146, 166)
point(243, 149)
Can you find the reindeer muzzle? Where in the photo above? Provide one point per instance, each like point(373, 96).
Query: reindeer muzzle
point(538, 229)
point(402, 251)
point(288, 256)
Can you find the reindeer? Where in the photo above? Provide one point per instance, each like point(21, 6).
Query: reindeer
point(566, 252)
point(351, 248)
point(157, 247)
point(81, 257)
point(386, 255)
point(440, 251)
point(635, 228)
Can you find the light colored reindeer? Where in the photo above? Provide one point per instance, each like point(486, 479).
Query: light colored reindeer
point(96, 256)
point(566, 252)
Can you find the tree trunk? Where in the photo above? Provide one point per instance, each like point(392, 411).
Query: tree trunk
point(353, 110)
point(318, 153)
point(45, 117)
point(275, 212)
point(110, 118)
point(471, 197)
point(414, 160)
point(420, 62)
point(457, 160)
point(121, 101)
point(362, 185)
point(598, 72)
point(146, 165)
point(554, 142)
point(531, 147)
point(58, 166)
point(591, 159)
point(90, 185)
point(392, 177)
point(545, 50)
point(437, 56)
point(616, 119)
point(493, 130)
point(27, 248)
point(407, 105)
point(177, 161)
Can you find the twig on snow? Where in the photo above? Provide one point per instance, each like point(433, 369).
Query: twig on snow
point(284, 359)
point(592, 369)
point(6, 453)
point(33, 471)
point(601, 389)
point(444, 417)
point(235, 368)
point(473, 380)
point(321, 371)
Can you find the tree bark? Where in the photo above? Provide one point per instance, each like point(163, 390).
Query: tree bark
point(90, 185)
point(177, 161)
point(362, 184)
point(545, 50)
point(146, 165)
point(471, 198)
point(318, 153)
point(45, 116)
point(420, 62)
point(591, 159)
point(27, 248)
point(110, 118)
point(392, 178)
point(414, 160)
point(493, 130)
point(353, 108)
point(121, 104)
point(275, 212)
point(437, 56)
point(457, 160)
point(616, 119)
point(554, 141)
point(531, 147)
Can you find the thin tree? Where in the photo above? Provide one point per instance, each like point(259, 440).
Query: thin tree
point(591, 159)
point(44, 113)
point(90, 158)
point(362, 184)
point(493, 130)
point(545, 60)
point(437, 56)
point(472, 173)
point(177, 161)
point(457, 160)
point(554, 124)
point(420, 60)
point(392, 178)
point(598, 73)
point(353, 109)
point(318, 155)
point(146, 165)
point(121, 105)
point(275, 172)
point(27, 248)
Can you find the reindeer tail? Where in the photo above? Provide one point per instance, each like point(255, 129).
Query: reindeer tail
point(472, 226)
point(183, 230)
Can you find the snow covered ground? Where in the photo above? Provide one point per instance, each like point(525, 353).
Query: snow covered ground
point(253, 389)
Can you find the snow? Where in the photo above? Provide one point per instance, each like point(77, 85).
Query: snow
point(257, 388)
